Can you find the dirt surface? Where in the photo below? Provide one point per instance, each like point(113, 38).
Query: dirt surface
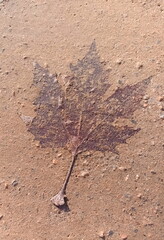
point(111, 196)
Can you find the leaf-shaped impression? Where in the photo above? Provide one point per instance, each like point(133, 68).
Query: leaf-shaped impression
point(71, 111)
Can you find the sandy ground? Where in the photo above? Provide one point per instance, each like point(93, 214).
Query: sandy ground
point(122, 196)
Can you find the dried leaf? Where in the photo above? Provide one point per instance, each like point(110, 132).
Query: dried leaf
point(71, 111)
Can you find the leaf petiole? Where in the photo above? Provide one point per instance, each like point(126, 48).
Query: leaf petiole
point(60, 198)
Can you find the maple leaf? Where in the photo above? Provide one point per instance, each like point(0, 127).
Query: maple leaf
point(71, 111)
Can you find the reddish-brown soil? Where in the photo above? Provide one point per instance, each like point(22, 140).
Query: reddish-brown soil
point(122, 196)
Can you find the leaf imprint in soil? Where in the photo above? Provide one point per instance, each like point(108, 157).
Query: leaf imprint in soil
point(71, 111)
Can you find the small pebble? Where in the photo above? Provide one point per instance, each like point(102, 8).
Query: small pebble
point(1, 216)
point(128, 196)
point(139, 65)
point(25, 119)
point(127, 177)
point(14, 183)
point(59, 155)
point(54, 161)
point(37, 144)
point(120, 81)
point(149, 235)
point(13, 93)
point(119, 61)
point(139, 195)
point(88, 154)
point(137, 177)
point(114, 167)
point(101, 234)
point(125, 15)
point(162, 116)
point(161, 98)
point(46, 65)
point(161, 107)
point(85, 162)
point(34, 64)
point(110, 233)
point(124, 236)
point(2, 50)
point(84, 173)
point(146, 97)
point(122, 168)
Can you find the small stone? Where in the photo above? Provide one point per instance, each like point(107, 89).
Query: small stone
point(1, 216)
point(127, 177)
point(146, 97)
point(84, 173)
point(26, 119)
point(25, 57)
point(127, 196)
point(2, 50)
point(161, 107)
point(122, 168)
point(153, 171)
point(149, 235)
point(139, 195)
point(37, 144)
point(145, 105)
point(120, 81)
point(139, 65)
point(152, 143)
point(110, 233)
point(46, 65)
point(85, 163)
point(101, 234)
point(125, 15)
point(13, 93)
point(140, 153)
point(161, 116)
point(88, 154)
point(59, 155)
point(161, 98)
point(119, 61)
point(14, 183)
point(114, 167)
point(137, 177)
point(54, 161)
point(124, 236)
point(34, 64)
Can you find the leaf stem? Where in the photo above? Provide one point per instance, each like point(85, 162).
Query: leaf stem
point(60, 199)
point(74, 155)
